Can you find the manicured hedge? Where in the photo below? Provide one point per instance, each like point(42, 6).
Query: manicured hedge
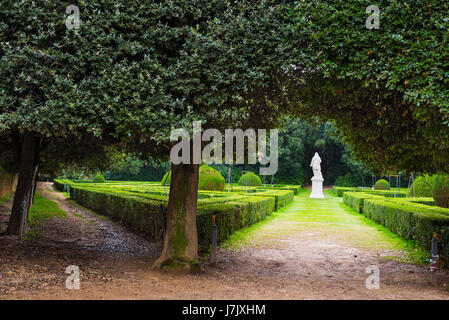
point(382, 184)
point(282, 198)
point(138, 206)
point(210, 179)
point(411, 221)
point(59, 184)
point(294, 188)
point(415, 219)
point(250, 179)
point(231, 216)
point(355, 199)
point(99, 179)
point(422, 187)
point(339, 191)
point(141, 214)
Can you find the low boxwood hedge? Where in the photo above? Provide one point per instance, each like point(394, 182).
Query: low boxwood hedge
point(138, 206)
point(355, 199)
point(411, 221)
point(339, 191)
point(415, 219)
point(141, 214)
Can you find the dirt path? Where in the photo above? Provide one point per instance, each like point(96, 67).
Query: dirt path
point(309, 250)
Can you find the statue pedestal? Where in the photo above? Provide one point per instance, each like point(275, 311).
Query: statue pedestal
point(317, 188)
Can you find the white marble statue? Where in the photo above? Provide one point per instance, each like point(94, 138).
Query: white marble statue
point(316, 166)
point(317, 179)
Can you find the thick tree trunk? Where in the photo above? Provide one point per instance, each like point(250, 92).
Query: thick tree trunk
point(181, 239)
point(27, 171)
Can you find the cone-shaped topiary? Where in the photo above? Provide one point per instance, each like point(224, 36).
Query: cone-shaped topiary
point(382, 184)
point(209, 179)
point(250, 179)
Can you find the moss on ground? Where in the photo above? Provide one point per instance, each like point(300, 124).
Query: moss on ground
point(43, 209)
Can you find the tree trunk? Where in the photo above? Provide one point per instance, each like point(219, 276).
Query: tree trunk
point(22, 197)
point(34, 185)
point(181, 239)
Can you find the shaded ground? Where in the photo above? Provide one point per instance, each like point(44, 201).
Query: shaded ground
point(313, 249)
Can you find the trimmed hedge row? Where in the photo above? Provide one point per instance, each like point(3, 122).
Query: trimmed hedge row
point(339, 191)
point(411, 218)
point(231, 217)
point(412, 221)
point(282, 198)
point(294, 188)
point(141, 214)
point(141, 211)
point(355, 200)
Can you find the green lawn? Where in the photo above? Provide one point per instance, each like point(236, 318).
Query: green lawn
point(327, 218)
point(43, 209)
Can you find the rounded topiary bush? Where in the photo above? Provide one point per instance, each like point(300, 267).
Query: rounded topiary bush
point(99, 179)
point(250, 179)
point(423, 187)
point(209, 179)
point(382, 184)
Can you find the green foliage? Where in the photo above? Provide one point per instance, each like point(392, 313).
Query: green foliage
point(131, 168)
point(423, 186)
point(137, 204)
point(382, 184)
point(432, 186)
point(217, 63)
point(210, 179)
point(99, 179)
point(378, 83)
point(355, 199)
point(441, 191)
point(411, 218)
point(413, 221)
point(339, 191)
point(43, 209)
point(350, 180)
point(299, 140)
point(166, 179)
point(250, 179)
point(132, 72)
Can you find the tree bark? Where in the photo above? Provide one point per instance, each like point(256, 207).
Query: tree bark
point(27, 171)
point(180, 250)
point(34, 185)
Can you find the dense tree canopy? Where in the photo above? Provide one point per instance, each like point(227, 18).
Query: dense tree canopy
point(386, 88)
